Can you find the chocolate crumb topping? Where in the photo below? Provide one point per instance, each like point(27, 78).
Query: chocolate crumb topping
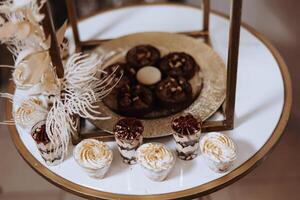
point(39, 134)
point(178, 64)
point(186, 125)
point(172, 91)
point(128, 129)
point(123, 73)
point(143, 55)
point(135, 100)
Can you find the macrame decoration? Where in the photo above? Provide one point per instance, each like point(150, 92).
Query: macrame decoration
point(50, 98)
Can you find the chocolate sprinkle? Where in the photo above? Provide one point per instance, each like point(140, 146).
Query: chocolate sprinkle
point(186, 125)
point(128, 129)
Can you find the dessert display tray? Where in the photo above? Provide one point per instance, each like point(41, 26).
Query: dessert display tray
point(211, 77)
point(262, 110)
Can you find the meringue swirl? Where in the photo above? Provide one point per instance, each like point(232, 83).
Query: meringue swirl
point(218, 147)
point(155, 156)
point(30, 112)
point(93, 154)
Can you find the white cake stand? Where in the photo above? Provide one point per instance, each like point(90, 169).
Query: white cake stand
point(263, 105)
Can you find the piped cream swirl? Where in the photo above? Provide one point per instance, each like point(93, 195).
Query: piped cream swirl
point(218, 147)
point(30, 112)
point(93, 154)
point(155, 156)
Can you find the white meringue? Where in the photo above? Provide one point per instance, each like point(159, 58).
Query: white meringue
point(30, 112)
point(156, 160)
point(94, 157)
point(219, 151)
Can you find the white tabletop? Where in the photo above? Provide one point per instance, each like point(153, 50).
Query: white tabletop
point(259, 100)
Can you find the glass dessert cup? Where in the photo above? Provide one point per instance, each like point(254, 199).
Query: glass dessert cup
point(219, 151)
point(94, 157)
point(129, 136)
point(187, 131)
point(187, 146)
point(156, 160)
point(50, 152)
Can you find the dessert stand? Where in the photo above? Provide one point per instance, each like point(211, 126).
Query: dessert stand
point(262, 110)
point(227, 122)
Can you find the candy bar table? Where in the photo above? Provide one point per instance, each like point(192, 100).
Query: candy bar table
point(263, 105)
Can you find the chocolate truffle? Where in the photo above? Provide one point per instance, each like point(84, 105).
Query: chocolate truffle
point(174, 92)
point(178, 64)
point(135, 100)
point(143, 55)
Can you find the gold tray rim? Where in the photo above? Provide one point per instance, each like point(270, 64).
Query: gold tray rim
point(204, 106)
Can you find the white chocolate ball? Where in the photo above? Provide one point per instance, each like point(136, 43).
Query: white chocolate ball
point(148, 75)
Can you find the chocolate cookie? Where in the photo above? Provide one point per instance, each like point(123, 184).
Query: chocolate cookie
point(174, 92)
point(143, 55)
point(135, 100)
point(178, 64)
point(121, 70)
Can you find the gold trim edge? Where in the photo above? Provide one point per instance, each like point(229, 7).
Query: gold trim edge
point(197, 191)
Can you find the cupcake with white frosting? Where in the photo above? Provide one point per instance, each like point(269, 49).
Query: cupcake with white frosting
point(129, 136)
point(156, 160)
point(94, 157)
point(187, 131)
point(219, 151)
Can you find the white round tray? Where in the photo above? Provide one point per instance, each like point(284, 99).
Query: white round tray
point(262, 93)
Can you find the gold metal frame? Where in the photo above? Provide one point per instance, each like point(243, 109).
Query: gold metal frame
point(232, 63)
point(83, 45)
point(201, 190)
